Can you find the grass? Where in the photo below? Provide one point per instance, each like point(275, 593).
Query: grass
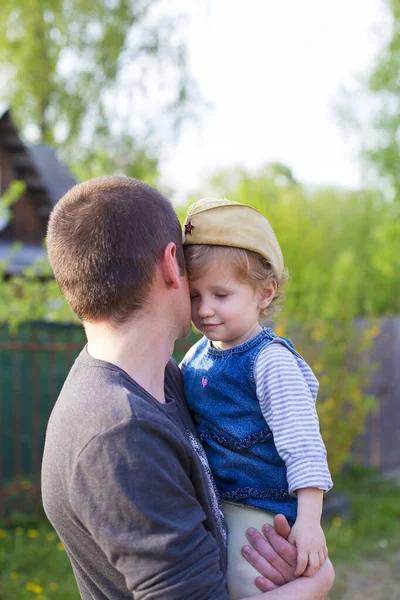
point(373, 527)
point(364, 547)
point(33, 564)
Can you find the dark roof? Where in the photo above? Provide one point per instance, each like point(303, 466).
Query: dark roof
point(46, 179)
point(41, 167)
point(55, 175)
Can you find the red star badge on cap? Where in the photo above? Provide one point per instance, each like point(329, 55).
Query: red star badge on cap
point(189, 228)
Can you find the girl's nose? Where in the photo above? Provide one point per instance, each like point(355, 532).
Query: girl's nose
point(205, 309)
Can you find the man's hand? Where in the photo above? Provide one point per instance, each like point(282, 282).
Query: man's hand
point(273, 556)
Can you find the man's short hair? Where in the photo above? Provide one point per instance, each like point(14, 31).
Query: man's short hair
point(104, 239)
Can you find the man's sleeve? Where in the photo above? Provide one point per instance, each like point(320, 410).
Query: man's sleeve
point(132, 491)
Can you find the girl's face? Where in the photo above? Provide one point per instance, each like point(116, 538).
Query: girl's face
point(225, 309)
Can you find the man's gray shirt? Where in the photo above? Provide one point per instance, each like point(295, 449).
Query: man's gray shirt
point(125, 489)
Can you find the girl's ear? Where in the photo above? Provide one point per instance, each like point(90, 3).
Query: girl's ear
point(268, 291)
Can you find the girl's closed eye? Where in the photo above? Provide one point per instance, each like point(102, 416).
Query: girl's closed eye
point(221, 295)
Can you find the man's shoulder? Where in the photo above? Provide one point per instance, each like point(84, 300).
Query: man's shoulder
point(98, 397)
point(94, 399)
point(94, 390)
point(97, 409)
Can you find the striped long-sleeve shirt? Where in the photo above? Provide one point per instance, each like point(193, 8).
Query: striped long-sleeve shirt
point(287, 390)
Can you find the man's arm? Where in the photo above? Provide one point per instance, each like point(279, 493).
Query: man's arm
point(304, 588)
point(132, 492)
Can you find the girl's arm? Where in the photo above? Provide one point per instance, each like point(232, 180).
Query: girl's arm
point(287, 400)
point(307, 534)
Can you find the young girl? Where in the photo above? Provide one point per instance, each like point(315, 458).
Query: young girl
point(252, 396)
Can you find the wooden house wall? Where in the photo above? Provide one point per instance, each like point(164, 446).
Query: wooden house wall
point(26, 225)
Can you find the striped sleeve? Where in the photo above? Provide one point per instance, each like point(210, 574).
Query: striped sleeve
point(287, 390)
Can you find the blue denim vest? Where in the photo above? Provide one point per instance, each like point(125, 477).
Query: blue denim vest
point(221, 393)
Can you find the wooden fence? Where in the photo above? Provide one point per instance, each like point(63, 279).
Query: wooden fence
point(380, 445)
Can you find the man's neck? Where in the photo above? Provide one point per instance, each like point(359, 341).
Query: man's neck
point(141, 347)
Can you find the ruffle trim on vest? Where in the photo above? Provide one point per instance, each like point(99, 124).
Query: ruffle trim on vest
point(232, 444)
point(249, 492)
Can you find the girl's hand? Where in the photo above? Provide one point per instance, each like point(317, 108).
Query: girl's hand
point(308, 537)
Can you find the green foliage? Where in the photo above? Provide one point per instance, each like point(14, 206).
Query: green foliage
point(116, 155)
point(21, 504)
point(337, 350)
point(10, 196)
point(383, 86)
point(32, 296)
point(78, 72)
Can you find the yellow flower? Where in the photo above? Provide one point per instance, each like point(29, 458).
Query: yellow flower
point(14, 575)
point(32, 533)
point(34, 587)
point(60, 547)
point(19, 531)
point(337, 522)
point(2, 533)
point(51, 536)
point(25, 484)
point(54, 587)
point(279, 329)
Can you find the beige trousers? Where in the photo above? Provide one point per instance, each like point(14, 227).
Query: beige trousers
point(240, 573)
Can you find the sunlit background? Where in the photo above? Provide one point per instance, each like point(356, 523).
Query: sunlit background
point(276, 76)
point(292, 107)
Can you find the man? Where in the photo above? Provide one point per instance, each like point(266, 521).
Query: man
point(124, 480)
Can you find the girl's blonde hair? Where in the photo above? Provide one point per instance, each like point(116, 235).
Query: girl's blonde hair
point(250, 267)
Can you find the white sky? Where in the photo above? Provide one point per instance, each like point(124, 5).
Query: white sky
point(272, 71)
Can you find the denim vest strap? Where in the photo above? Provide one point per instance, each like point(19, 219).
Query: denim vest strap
point(221, 393)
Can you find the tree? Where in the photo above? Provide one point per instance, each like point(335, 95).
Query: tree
point(379, 95)
point(78, 71)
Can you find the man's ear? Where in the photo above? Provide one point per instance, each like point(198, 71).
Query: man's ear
point(170, 267)
point(268, 291)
